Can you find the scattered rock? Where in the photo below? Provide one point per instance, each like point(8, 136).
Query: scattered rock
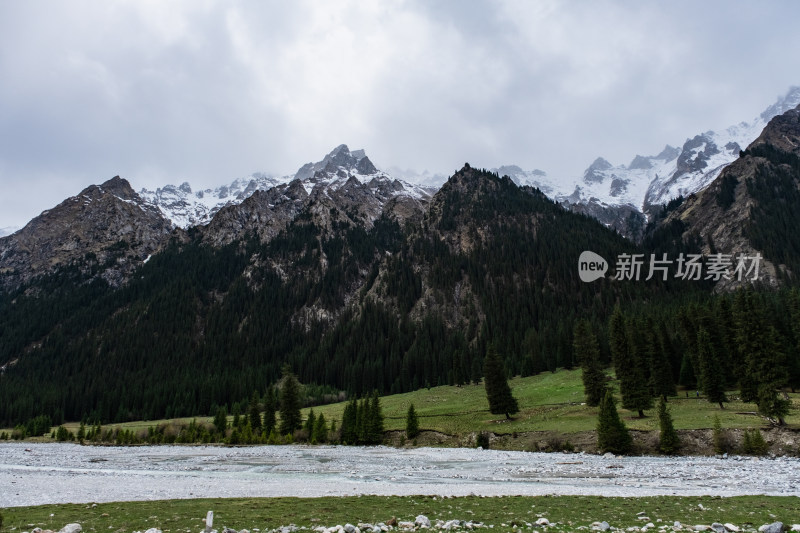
point(154, 530)
point(392, 522)
point(422, 521)
point(732, 528)
point(775, 527)
point(543, 522)
point(719, 528)
point(406, 525)
point(71, 528)
point(701, 528)
point(350, 528)
point(209, 521)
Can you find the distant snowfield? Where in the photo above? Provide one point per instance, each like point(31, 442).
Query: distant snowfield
point(35, 474)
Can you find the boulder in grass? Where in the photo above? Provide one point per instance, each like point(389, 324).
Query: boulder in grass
point(71, 528)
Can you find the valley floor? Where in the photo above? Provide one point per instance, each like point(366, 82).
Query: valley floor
point(36, 474)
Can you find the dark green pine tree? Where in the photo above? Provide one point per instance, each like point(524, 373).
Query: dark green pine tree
point(586, 350)
point(668, 440)
point(772, 376)
point(269, 412)
point(711, 374)
point(612, 435)
point(628, 364)
point(309, 424)
point(349, 430)
point(661, 381)
point(501, 401)
point(412, 423)
point(291, 419)
point(254, 414)
point(221, 420)
point(320, 434)
point(375, 426)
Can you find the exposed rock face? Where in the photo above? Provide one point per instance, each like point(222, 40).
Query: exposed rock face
point(722, 213)
point(345, 187)
point(107, 226)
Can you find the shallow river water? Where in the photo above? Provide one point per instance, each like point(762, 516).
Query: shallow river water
point(32, 474)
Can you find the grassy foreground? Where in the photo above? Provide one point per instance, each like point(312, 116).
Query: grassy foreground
point(266, 513)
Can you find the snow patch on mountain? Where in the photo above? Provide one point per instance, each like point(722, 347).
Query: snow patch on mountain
point(186, 207)
point(649, 181)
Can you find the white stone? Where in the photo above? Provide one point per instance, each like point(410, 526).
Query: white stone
point(422, 521)
point(153, 530)
point(71, 528)
point(209, 521)
point(731, 527)
point(543, 522)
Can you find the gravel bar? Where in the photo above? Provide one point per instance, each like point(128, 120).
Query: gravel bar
point(35, 474)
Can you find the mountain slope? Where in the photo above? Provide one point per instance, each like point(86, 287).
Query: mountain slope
point(106, 228)
point(351, 302)
point(752, 206)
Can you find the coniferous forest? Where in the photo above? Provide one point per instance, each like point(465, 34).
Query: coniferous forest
point(385, 309)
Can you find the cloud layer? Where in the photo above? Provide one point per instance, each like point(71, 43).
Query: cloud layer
point(206, 91)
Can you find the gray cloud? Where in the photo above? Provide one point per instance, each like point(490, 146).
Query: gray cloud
point(206, 91)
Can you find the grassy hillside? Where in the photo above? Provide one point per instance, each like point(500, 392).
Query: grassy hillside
point(548, 402)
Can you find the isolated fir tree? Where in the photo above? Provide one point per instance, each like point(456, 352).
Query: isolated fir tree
point(628, 364)
point(412, 423)
point(668, 440)
point(710, 369)
point(290, 403)
point(586, 350)
point(612, 435)
point(501, 401)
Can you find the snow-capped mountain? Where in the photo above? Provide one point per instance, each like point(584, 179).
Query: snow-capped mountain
point(650, 181)
point(186, 208)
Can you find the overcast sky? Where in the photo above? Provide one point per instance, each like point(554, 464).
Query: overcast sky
point(207, 91)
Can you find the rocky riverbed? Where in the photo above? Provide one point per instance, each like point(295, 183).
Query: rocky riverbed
point(34, 474)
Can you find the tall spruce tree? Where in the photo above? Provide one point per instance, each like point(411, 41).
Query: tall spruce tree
point(668, 440)
point(349, 429)
point(320, 433)
point(612, 435)
point(374, 424)
point(712, 376)
point(661, 381)
point(501, 401)
point(290, 402)
point(586, 350)
point(628, 365)
point(412, 423)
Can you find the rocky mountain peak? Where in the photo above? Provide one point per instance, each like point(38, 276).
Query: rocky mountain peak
point(789, 101)
point(593, 174)
point(106, 228)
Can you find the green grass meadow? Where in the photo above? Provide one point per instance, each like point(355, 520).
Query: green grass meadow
point(504, 513)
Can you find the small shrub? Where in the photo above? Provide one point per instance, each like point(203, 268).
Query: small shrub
point(719, 438)
point(754, 443)
point(482, 440)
